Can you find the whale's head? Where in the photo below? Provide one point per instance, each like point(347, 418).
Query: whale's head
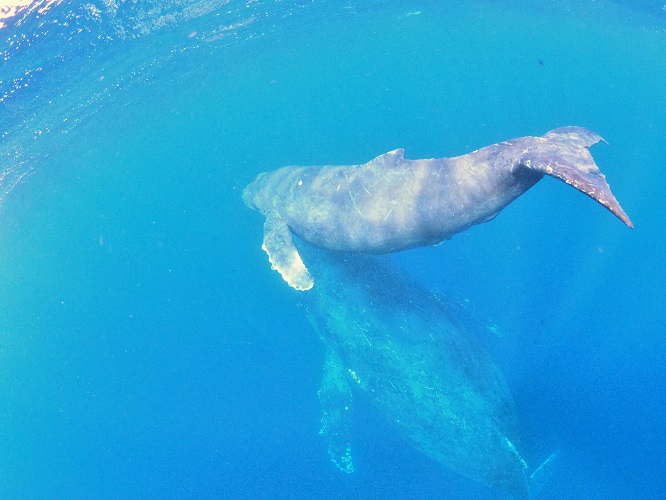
point(254, 192)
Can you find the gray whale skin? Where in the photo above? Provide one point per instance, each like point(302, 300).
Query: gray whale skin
point(392, 203)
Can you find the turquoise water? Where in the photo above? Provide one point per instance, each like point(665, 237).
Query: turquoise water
point(147, 349)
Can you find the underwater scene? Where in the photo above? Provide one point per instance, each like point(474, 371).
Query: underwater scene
point(438, 297)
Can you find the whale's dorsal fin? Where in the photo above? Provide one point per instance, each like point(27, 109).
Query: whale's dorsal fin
point(390, 159)
point(335, 397)
point(282, 253)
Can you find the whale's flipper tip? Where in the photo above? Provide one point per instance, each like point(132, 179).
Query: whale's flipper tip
point(543, 474)
point(563, 153)
point(282, 253)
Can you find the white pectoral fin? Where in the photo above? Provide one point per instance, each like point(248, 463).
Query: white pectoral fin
point(335, 397)
point(543, 474)
point(282, 253)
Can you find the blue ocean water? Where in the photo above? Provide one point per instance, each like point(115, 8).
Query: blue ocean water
point(148, 350)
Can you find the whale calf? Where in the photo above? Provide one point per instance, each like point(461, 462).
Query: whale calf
point(392, 203)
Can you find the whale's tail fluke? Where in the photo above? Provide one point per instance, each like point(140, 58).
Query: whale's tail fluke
point(563, 153)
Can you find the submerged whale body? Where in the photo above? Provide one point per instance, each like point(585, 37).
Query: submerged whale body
point(392, 341)
point(392, 203)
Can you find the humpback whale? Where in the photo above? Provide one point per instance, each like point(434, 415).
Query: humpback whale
point(392, 203)
point(395, 343)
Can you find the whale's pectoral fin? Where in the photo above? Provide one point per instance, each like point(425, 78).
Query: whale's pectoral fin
point(282, 253)
point(335, 397)
point(563, 153)
point(543, 474)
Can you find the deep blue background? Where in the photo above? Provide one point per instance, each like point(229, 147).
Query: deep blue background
point(146, 348)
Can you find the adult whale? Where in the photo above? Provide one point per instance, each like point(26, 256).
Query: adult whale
point(392, 203)
point(394, 343)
